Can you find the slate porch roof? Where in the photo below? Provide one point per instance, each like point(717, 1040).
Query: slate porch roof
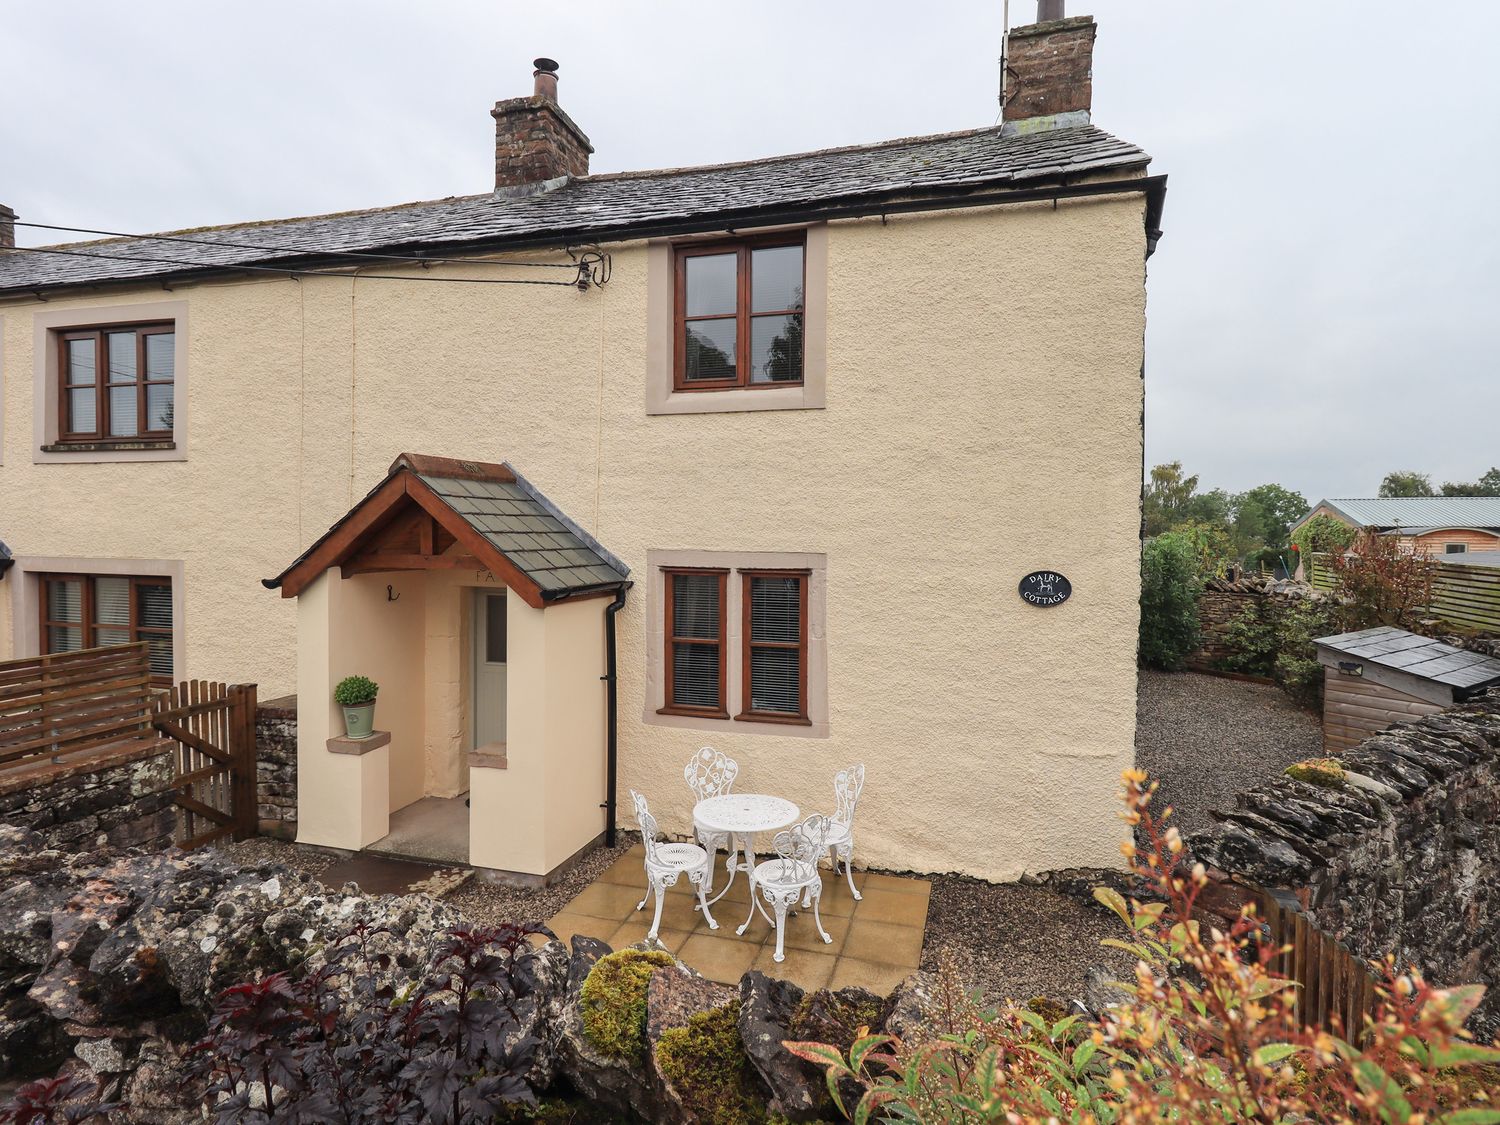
point(1464, 671)
point(551, 555)
point(612, 206)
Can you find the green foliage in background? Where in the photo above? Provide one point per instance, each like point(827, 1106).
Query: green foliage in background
point(1171, 580)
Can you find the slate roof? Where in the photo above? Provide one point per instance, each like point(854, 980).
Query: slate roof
point(1417, 511)
point(1465, 671)
point(595, 208)
point(531, 532)
point(508, 511)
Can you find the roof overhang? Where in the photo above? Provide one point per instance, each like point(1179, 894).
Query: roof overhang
point(405, 525)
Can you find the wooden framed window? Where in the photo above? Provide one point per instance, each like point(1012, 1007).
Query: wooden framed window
point(94, 610)
point(695, 631)
point(115, 384)
point(739, 313)
point(774, 636)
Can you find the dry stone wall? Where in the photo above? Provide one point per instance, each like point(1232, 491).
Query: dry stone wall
point(119, 802)
point(1224, 600)
point(276, 766)
point(1394, 849)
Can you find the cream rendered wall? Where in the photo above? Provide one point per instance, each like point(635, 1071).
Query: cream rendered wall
point(544, 806)
point(983, 420)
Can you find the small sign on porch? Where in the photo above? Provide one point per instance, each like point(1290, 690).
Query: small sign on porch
point(1045, 588)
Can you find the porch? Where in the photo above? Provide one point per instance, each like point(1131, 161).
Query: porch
point(479, 610)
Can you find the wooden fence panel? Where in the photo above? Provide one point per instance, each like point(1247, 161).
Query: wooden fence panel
point(1463, 595)
point(69, 704)
point(213, 727)
point(1335, 989)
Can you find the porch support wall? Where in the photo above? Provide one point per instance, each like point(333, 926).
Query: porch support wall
point(543, 807)
point(344, 627)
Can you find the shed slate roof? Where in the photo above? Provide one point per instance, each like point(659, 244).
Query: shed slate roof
point(1464, 671)
point(594, 208)
point(1411, 512)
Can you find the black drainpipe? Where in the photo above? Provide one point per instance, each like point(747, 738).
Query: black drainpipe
point(611, 737)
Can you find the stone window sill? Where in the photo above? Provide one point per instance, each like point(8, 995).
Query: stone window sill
point(490, 756)
point(109, 446)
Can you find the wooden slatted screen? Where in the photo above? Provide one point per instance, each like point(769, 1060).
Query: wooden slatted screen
point(1336, 990)
point(68, 704)
point(1463, 595)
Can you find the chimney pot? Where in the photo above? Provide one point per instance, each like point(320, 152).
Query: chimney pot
point(1048, 10)
point(7, 227)
point(1050, 79)
point(546, 78)
point(537, 145)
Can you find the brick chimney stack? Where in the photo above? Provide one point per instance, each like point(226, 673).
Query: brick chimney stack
point(7, 227)
point(1049, 82)
point(537, 145)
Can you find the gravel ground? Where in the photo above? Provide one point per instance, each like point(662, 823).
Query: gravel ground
point(1205, 738)
point(1015, 942)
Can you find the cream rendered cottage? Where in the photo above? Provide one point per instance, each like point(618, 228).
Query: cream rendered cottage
point(762, 470)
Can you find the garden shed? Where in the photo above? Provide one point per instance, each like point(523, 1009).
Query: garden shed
point(1377, 677)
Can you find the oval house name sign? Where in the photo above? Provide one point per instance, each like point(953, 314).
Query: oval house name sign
point(1045, 588)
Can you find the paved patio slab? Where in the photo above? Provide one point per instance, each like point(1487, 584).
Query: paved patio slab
point(877, 941)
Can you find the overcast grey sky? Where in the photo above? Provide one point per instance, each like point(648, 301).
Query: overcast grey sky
point(1322, 309)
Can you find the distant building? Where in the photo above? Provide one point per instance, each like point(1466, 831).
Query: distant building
point(1440, 525)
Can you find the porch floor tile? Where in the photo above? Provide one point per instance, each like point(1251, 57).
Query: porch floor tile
point(877, 940)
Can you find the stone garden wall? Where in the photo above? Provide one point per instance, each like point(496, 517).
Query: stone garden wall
point(119, 801)
point(1221, 602)
point(1394, 847)
point(276, 766)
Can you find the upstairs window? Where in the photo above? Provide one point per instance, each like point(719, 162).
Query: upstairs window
point(92, 611)
point(740, 314)
point(116, 383)
point(696, 606)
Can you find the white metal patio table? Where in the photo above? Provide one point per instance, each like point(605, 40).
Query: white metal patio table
point(741, 816)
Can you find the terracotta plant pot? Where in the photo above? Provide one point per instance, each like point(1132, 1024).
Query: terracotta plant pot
point(359, 720)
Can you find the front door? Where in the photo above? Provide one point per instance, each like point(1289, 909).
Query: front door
point(489, 668)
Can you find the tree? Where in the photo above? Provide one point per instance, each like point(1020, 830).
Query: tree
point(1173, 499)
point(1406, 482)
point(1379, 583)
point(1487, 485)
point(1323, 534)
point(1266, 513)
point(1170, 584)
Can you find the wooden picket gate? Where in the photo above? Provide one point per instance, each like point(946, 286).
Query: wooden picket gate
point(1336, 989)
point(213, 727)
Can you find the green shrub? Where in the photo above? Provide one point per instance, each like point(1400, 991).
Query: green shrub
point(1254, 638)
point(707, 1066)
point(1296, 667)
point(613, 1002)
point(351, 691)
point(1170, 584)
point(1323, 535)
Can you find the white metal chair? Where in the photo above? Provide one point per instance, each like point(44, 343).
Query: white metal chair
point(665, 862)
point(791, 875)
point(847, 786)
point(711, 773)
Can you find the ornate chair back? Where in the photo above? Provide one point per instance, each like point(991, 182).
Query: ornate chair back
point(710, 773)
point(799, 847)
point(647, 822)
point(847, 786)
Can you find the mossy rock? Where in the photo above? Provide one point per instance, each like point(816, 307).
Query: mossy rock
point(612, 1002)
point(1317, 771)
point(705, 1065)
point(835, 1018)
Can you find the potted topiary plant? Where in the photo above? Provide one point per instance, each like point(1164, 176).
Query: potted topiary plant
point(356, 695)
